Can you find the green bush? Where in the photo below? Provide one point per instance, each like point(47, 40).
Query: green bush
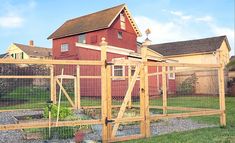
point(64, 112)
point(188, 85)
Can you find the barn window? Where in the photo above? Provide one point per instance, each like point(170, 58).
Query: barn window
point(117, 70)
point(64, 47)
point(171, 75)
point(82, 38)
point(122, 21)
point(119, 35)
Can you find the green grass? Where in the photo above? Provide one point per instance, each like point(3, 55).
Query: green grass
point(206, 135)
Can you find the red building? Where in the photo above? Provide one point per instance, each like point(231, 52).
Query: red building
point(79, 38)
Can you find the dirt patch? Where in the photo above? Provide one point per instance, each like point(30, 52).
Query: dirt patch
point(4, 102)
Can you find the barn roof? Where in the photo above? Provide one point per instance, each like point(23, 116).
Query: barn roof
point(190, 47)
point(35, 51)
point(92, 22)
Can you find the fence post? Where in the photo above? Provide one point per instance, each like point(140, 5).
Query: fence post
point(104, 96)
point(129, 81)
point(109, 104)
point(164, 89)
point(144, 91)
point(221, 90)
point(77, 89)
point(52, 85)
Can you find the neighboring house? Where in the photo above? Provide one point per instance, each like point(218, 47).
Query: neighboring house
point(199, 51)
point(79, 39)
point(3, 56)
point(20, 51)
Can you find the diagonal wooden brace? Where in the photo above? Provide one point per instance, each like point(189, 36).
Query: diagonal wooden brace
point(126, 99)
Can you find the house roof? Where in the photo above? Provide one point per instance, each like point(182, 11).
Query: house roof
point(190, 47)
point(35, 51)
point(92, 22)
point(3, 55)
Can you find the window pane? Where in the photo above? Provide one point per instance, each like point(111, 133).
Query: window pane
point(82, 38)
point(119, 35)
point(64, 47)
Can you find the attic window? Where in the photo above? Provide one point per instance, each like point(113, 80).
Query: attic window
point(64, 47)
point(82, 38)
point(122, 21)
point(119, 35)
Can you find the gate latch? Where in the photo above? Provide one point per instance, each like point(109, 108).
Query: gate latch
point(108, 121)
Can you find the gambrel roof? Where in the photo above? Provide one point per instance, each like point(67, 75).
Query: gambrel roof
point(205, 45)
point(92, 22)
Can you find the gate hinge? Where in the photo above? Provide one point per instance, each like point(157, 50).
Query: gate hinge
point(108, 121)
point(107, 63)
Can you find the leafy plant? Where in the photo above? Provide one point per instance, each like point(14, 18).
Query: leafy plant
point(64, 112)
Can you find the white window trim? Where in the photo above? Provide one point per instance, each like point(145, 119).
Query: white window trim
point(169, 75)
point(123, 70)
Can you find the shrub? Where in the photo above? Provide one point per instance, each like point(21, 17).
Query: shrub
point(188, 85)
point(64, 112)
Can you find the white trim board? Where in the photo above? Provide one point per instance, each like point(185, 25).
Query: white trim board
point(110, 49)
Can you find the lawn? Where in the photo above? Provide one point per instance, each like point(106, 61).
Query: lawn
point(206, 135)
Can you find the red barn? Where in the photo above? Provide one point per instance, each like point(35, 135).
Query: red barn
point(79, 38)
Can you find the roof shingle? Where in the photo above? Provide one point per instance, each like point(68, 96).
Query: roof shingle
point(35, 51)
point(189, 47)
point(87, 23)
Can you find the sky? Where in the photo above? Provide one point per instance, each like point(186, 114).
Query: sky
point(168, 20)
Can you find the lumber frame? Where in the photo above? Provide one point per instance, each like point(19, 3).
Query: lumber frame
point(77, 89)
point(52, 87)
point(164, 89)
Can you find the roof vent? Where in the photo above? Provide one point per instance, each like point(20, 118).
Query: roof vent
point(31, 43)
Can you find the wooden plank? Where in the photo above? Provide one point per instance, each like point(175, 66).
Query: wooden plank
point(185, 115)
point(91, 77)
point(104, 97)
point(129, 81)
point(78, 86)
point(44, 124)
point(184, 65)
point(126, 99)
point(53, 96)
point(128, 119)
point(222, 97)
point(24, 77)
point(65, 77)
point(109, 103)
point(182, 108)
point(65, 93)
point(50, 62)
point(164, 89)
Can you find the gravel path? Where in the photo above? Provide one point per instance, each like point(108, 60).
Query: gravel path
point(158, 128)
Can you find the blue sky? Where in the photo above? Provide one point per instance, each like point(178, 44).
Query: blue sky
point(169, 20)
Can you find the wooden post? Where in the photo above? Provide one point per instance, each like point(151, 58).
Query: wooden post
point(53, 89)
point(104, 96)
point(77, 89)
point(221, 91)
point(109, 104)
point(129, 81)
point(164, 89)
point(144, 93)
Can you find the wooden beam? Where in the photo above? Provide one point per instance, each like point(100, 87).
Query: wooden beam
point(131, 137)
point(184, 65)
point(126, 99)
point(164, 89)
point(50, 62)
point(65, 93)
point(104, 97)
point(129, 81)
point(52, 87)
point(109, 102)
point(222, 97)
point(78, 91)
point(185, 115)
point(44, 124)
